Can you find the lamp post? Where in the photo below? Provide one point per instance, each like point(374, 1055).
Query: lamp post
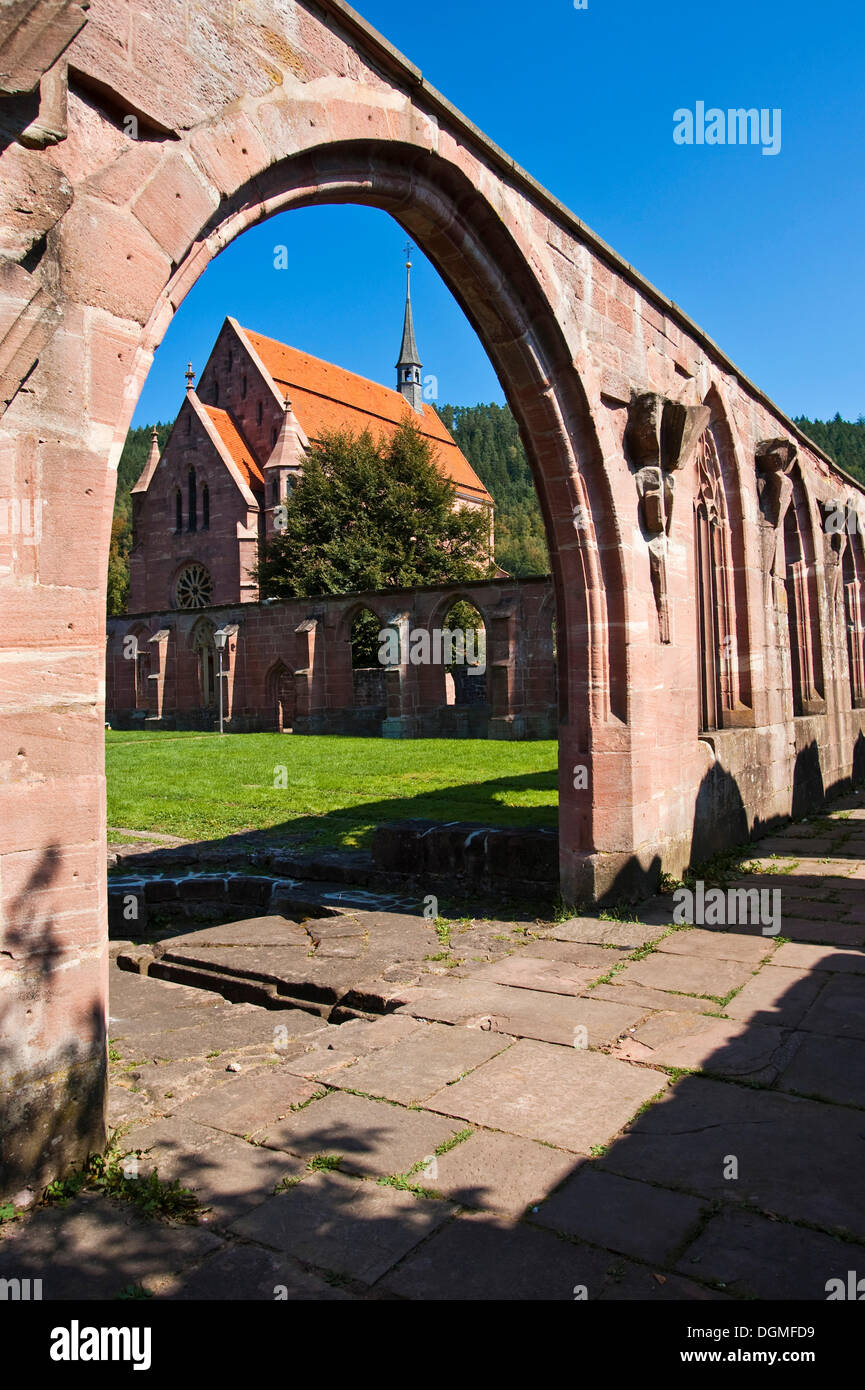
point(220, 637)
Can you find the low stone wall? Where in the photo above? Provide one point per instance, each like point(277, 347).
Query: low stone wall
point(288, 666)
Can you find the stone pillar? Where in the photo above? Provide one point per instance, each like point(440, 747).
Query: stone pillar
point(158, 645)
point(401, 722)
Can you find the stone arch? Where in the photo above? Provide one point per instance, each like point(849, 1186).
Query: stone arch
point(803, 602)
point(203, 648)
point(737, 696)
point(853, 572)
point(477, 256)
point(280, 694)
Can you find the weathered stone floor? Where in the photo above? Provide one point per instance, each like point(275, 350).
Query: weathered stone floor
point(647, 1113)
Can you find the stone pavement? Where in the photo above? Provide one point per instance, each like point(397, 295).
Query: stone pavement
point(620, 1107)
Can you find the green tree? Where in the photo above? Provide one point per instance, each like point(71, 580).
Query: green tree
point(372, 514)
point(118, 565)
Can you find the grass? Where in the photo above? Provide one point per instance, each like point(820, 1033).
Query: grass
point(199, 787)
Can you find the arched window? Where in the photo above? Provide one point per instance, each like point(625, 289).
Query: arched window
point(192, 510)
point(803, 621)
point(243, 386)
point(723, 680)
point(710, 527)
point(205, 507)
point(461, 647)
point(273, 438)
point(178, 510)
point(274, 491)
point(854, 597)
point(203, 646)
point(216, 393)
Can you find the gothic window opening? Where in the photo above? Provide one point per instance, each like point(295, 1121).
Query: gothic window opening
point(178, 510)
point(205, 508)
point(806, 662)
point(205, 650)
point(718, 685)
point(192, 506)
point(854, 596)
point(259, 414)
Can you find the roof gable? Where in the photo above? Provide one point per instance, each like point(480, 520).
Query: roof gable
point(328, 398)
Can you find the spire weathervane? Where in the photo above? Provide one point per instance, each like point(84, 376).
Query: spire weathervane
point(409, 364)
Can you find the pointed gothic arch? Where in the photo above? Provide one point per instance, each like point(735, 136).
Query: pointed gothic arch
point(803, 610)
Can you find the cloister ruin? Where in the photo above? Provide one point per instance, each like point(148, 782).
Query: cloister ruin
point(709, 626)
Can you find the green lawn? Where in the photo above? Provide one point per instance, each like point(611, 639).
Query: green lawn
point(201, 786)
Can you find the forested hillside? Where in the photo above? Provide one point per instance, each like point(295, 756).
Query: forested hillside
point(490, 440)
point(842, 440)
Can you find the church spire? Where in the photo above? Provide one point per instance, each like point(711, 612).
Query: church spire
point(408, 368)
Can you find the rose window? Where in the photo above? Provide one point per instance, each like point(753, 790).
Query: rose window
point(194, 587)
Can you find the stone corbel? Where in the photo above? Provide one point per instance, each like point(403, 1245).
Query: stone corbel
point(660, 438)
point(775, 459)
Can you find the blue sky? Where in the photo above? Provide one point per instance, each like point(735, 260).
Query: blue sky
point(764, 252)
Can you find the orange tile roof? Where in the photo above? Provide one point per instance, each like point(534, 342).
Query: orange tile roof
point(326, 397)
point(236, 446)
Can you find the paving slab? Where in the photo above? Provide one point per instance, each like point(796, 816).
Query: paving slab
point(839, 1008)
point(718, 945)
point(645, 1000)
point(650, 1223)
point(487, 1257)
point(523, 1013)
point(95, 1248)
point(845, 935)
point(586, 953)
point(754, 1257)
point(344, 1225)
point(338, 1046)
point(722, 1046)
point(798, 1158)
point(499, 1172)
point(631, 1283)
point(275, 931)
point(776, 996)
point(568, 1097)
point(591, 929)
point(229, 1175)
point(524, 971)
point(798, 956)
point(415, 1068)
point(829, 1068)
point(373, 1138)
point(705, 978)
point(249, 1101)
point(247, 1272)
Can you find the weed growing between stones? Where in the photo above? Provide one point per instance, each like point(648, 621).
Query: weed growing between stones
point(109, 1174)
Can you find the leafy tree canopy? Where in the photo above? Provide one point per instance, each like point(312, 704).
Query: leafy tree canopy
point(373, 514)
